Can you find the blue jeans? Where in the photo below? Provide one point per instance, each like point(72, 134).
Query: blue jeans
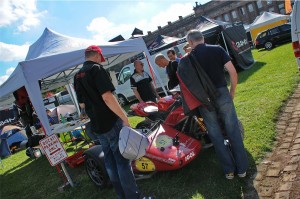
point(235, 160)
point(118, 168)
point(89, 131)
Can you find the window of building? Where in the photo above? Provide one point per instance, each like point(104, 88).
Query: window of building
point(250, 7)
point(271, 9)
point(226, 17)
point(233, 13)
point(281, 6)
point(219, 18)
point(282, 11)
point(242, 10)
point(259, 4)
point(269, 2)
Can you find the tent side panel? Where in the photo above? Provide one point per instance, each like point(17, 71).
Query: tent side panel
point(238, 45)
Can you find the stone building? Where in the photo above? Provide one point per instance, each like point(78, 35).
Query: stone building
point(231, 11)
point(234, 11)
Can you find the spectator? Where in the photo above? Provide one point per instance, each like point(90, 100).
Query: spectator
point(171, 69)
point(172, 55)
point(187, 48)
point(219, 107)
point(107, 117)
point(24, 110)
point(141, 84)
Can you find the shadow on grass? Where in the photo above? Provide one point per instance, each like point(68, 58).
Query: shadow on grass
point(202, 178)
point(18, 166)
point(244, 75)
point(35, 179)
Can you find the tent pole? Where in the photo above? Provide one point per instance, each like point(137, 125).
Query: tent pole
point(225, 42)
point(72, 93)
point(67, 174)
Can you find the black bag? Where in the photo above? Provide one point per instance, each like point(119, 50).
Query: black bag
point(205, 80)
point(34, 140)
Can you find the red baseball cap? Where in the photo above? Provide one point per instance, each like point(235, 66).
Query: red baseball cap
point(96, 49)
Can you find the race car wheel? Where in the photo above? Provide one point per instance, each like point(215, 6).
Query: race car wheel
point(96, 171)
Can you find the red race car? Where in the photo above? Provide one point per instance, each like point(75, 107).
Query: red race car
point(175, 141)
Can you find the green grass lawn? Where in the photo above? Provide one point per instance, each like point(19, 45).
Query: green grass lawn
point(261, 93)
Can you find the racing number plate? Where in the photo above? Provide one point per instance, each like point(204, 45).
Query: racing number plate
point(144, 164)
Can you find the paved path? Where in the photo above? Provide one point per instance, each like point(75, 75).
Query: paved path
point(278, 175)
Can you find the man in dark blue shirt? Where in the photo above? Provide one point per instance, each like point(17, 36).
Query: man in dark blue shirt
point(213, 59)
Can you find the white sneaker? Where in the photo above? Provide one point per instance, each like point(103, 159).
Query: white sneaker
point(206, 146)
point(242, 175)
point(229, 176)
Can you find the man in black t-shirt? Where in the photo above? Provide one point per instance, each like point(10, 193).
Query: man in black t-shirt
point(171, 69)
point(95, 88)
point(141, 84)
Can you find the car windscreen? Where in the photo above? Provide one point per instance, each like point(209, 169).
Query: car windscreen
point(263, 34)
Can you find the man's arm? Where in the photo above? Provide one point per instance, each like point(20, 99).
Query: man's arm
point(233, 77)
point(112, 103)
point(137, 95)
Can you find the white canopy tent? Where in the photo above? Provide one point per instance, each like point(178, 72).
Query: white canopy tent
point(57, 57)
point(265, 21)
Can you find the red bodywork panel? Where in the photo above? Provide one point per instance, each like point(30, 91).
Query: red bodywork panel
point(165, 102)
point(175, 117)
point(164, 155)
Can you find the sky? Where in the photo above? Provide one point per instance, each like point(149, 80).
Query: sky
point(22, 22)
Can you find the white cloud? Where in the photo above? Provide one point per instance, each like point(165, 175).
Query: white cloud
point(11, 52)
point(104, 30)
point(172, 14)
point(22, 12)
point(7, 74)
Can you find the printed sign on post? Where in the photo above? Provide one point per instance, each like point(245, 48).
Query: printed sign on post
point(53, 149)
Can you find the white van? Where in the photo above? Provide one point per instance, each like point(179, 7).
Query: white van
point(295, 31)
point(123, 89)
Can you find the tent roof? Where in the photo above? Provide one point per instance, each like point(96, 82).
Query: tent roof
point(161, 40)
point(210, 26)
point(266, 18)
point(51, 43)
